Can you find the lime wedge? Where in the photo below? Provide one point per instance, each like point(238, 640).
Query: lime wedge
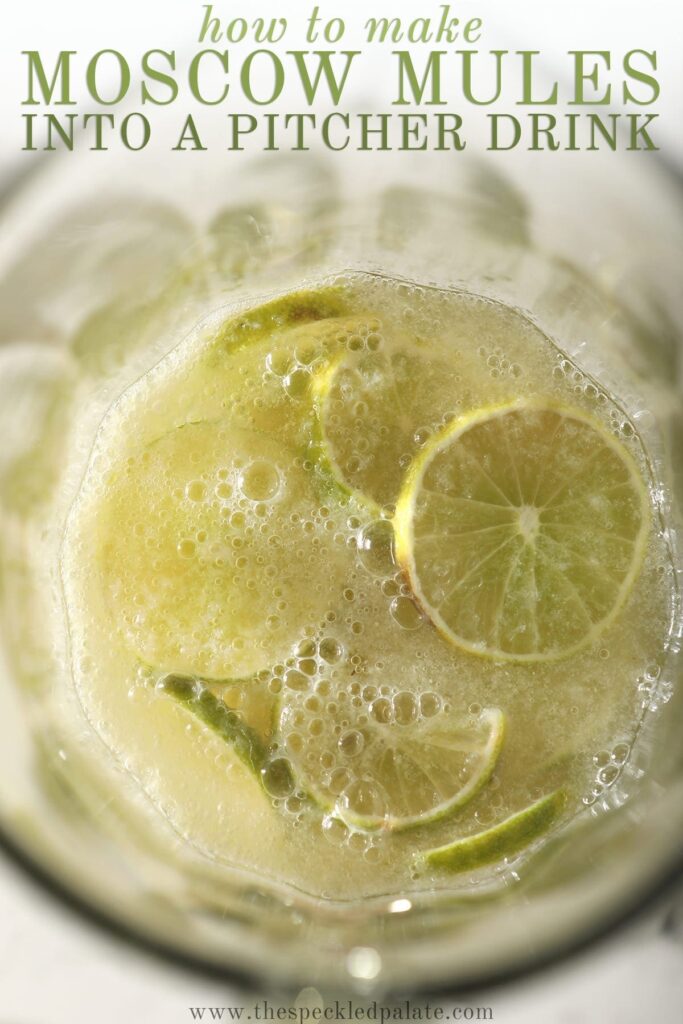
point(204, 546)
point(195, 696)
point(226, 723)
point(512, 836)
point(374, 410)
point(393, 762)
point(522, 530)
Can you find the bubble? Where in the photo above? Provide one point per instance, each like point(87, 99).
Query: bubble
point(196, 490)
point(364, 797)
point(602, 758)
point(260, 481)
point(294, 804)
point(620, 753)
point(338, 780)
point(296, 383)
point(372, 854)
point(405, 612)
point(485, 816)
point(351, 743)
point(330, 650)
point(335, 831)
point(277, 777)
point(375, 544)
point(609, 774)
point(357, 842)
point(187, 548)
point(295, 680)
point(405, 708)
point(382, 710)
point(306, 648)
point(430, 704)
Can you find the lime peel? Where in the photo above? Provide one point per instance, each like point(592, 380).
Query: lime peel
point(198, 699)
point(502, 841)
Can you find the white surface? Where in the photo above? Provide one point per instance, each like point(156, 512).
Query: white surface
point(54, 969)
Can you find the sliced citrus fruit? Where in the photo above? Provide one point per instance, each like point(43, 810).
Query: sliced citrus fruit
point(274, 773)
point(510, 837)
point(375, 409)
point(203, 540)
point(197, 698)
point(393, 762)
point(522, 530)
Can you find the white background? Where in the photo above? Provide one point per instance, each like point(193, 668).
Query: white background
point(53, 968)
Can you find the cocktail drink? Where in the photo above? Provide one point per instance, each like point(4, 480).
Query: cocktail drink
point(358, 576)
point(360, 585)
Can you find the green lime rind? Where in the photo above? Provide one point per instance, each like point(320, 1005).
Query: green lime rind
point(466, 796)
point(198, 699)
point(391, 757)
point(329, 476)
point(520, 594)
point(510, 837)
point(295, 309)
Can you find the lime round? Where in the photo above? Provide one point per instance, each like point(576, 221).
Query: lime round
point(374, 411)
point(522, 530)
point(204, 544)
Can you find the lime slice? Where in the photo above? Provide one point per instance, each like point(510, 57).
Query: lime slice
point(274, 773)
point(204, 545)
point(505, 840)
point(374, 410)
point(226, 723)
point(522, 530)
point(392, 762)
point(254, 367)
point(261, 367)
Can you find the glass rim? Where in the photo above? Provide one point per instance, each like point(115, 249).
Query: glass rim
point(258, 981)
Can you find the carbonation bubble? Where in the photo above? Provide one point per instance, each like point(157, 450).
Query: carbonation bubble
point(620, 753)
point(363, 797)
point(405, 612)
point(277, 778)
point(334, 830)
point(330, 650)
point(296, 383)
point(196, 491)
point(296, 680)
point(375, 545)
point(351, 743)
point(405, 707)
point(430, 704)
point(260, 481)
point(609, 774)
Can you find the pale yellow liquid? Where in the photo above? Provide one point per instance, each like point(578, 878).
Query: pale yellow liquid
point(346, 633)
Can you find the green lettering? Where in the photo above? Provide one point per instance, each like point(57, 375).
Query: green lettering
point(61, 75)
point(431, 78)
